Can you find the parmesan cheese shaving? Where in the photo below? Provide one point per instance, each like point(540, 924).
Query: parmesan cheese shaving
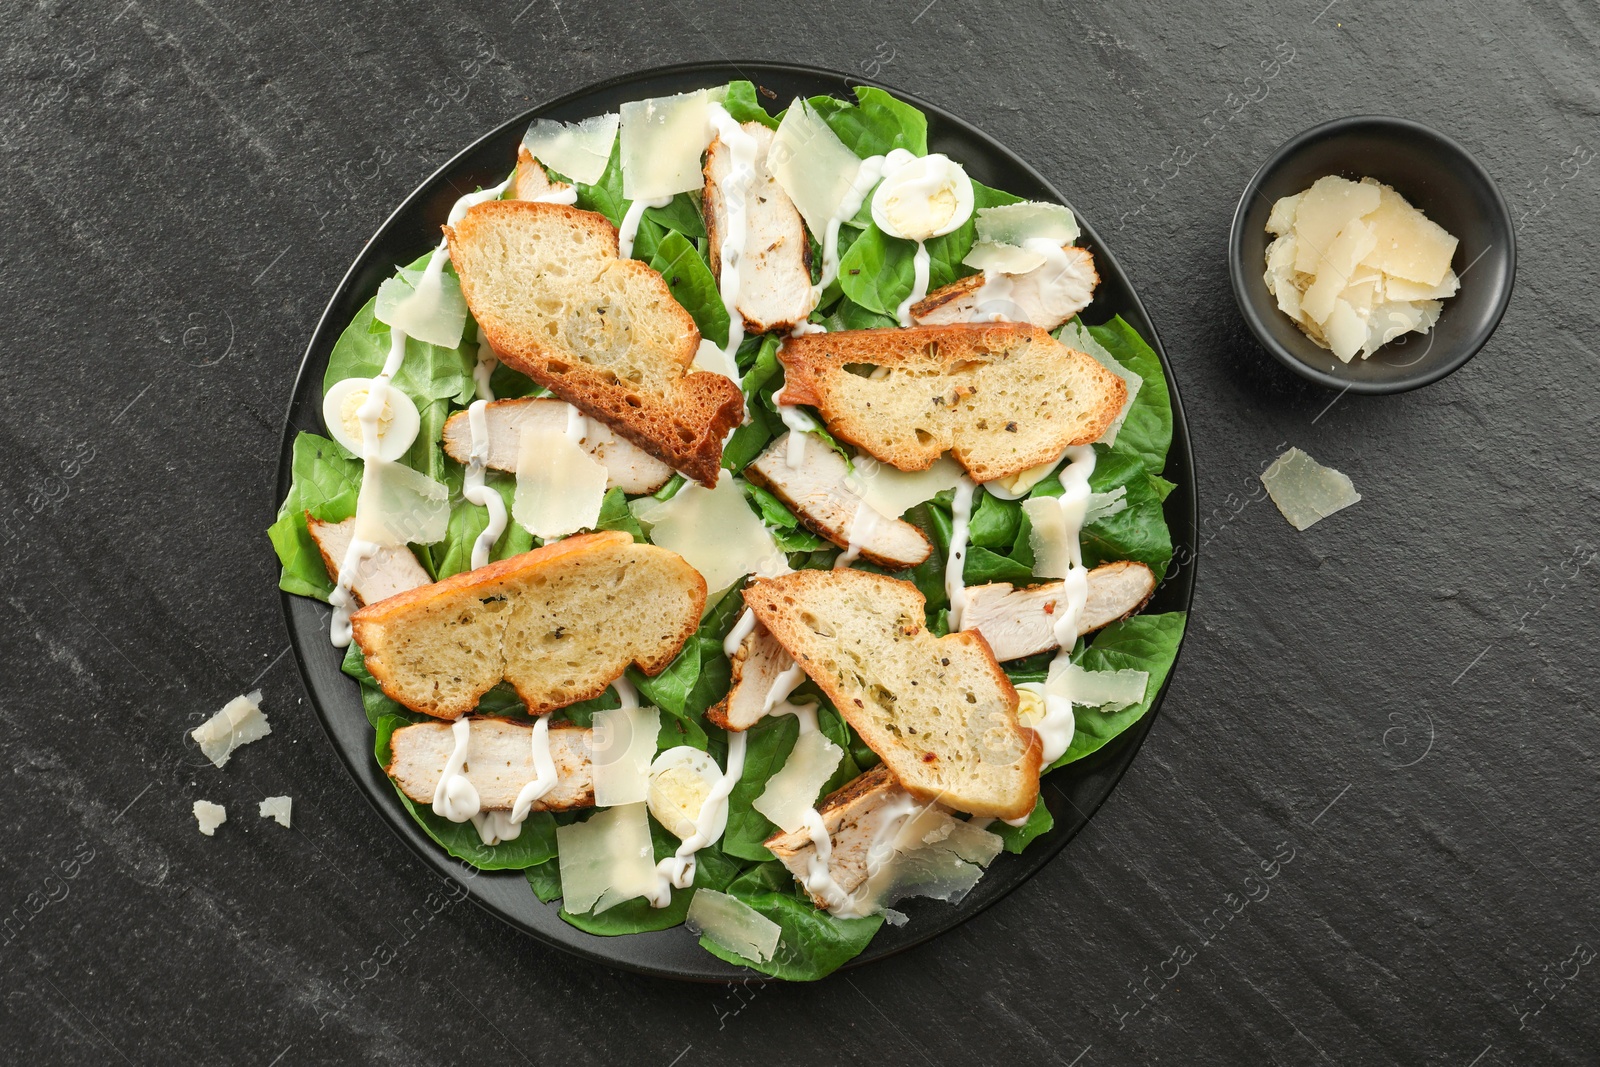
point(624, 744)
point(661, 143)
point(209, 816)
point(715, 531)
point(1305, 491)
point(893, 492)
point(606, 860)
point(731, 924)
point(1016, 224)
point(240, 722)
point(811, 164)
point(560, 487)
point(792, 792)
point(1003, 259)
point(277, 808)
point(1106, 690)
point(1050, 537)
point(398, 506)
point(578, 150)
point(430, 309)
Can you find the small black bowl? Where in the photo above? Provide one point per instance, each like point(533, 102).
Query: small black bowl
point(1438, 176)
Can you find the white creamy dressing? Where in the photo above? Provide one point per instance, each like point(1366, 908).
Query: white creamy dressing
point(473, 488)
point(1055, 729)
point(741, 630)
point(629, 230)
point(369, 414)
point(800, 424)
point(626, 693)
point(803, 328)
point(867, 176)
point(736, 202)
point(919, 284)
point(862, 524)
point(455, 797)
point(955, 585)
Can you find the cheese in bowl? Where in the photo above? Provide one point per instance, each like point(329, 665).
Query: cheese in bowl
point(1355, 265)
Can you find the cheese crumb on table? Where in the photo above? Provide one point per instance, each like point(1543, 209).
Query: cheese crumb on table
point(1355, 265)
point(240, 722)
point(277, 808)
point(1305, 491)
point(209, 816)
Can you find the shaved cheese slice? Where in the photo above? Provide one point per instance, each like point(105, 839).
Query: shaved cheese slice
point(606, 860)
point(1106, 690)
point(1409, 244)
point(972, 843)
point(560, 486)
point(1075, 335)
point(893, 492)
point(1324, 211)
point(427, 305)
point(277, 808)
point(662, 140)
point(1306, 491)
point(578, 150)
point(793, 791)
point(732, 925)
point(1050, 539)
point(1015, 224)
point(240, 722)
point(715, 531)
point(624, 744)
point(1334, 267)
point(1105, 505)
point(399, 506)
point(1281, 220)
point(816, 169)
point(1344, 329)
point(1401, 289)
point(937, 856)
point(209, 816)
point(1003, 259)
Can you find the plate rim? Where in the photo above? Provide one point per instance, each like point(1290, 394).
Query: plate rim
point(1124, 748)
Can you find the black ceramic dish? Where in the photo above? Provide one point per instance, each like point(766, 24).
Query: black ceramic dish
point(1072, 794)
point(1438, 176)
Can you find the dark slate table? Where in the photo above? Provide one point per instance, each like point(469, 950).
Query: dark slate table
point(1364, 830)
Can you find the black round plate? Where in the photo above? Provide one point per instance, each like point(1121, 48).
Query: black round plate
point(1437, 175)
point(1072, 793)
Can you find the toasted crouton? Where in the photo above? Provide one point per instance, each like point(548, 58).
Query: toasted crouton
point(499, 762)
point(559, 623)
point(1046, 296)
point(546, 286)
point(817, 492)
point(775, 268)
point(383, 574)
point(628, 467)
point(1021, 622)
point(938, 710)
point(1001, 397)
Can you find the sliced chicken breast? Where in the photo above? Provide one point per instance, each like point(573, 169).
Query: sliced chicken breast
point(532, 182)
point(756, 666)
point(380, 576)
point(856, 815)
point(1045, 296)
point(818, 492)
point(1021, 622)
point(775, 271)
point(499, 762)
point(628, 467)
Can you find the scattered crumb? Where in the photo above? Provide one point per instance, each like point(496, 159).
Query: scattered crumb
point(240, 722)
point(209, 816)
point(277, 808)
point(1305, 491)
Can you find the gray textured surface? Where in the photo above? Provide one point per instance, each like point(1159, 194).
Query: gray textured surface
point(1401, 695)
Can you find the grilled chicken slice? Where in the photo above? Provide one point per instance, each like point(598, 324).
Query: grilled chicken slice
point(756, 666)
point(499, 762)
point(818, 493)
point(380, 576)
point(1021, 622)
point(1042, 296)
point(532, 182)
point(775, 271)
point(856, 815)
point(628, 467)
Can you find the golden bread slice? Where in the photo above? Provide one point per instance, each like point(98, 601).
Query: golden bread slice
point(499, 762)
point(1001, 397)
point(939, 711)
point(559, 623)
point(546, 286)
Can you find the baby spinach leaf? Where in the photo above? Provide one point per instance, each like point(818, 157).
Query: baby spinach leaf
point(995, 522)
point(812, 944)
point(692, 284)
point(743, 103)
point(1147, 431)
point(326, 482)
point(467, 520)
point(876, 124)
point(614, 515)
point(1016, 838)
